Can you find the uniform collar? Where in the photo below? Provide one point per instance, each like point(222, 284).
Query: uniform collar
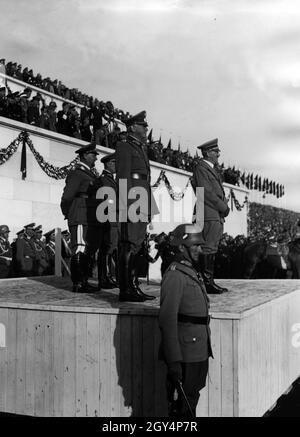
point(85, 166)
point(134, 140)
point(209, 163)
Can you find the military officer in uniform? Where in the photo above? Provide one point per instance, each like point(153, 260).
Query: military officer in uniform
point(78, 205)
point(50, 249)
point(42, 260)
point(215, 210)
point(133, 177)
point(108, 243)
point(184, 323)
point(5, 253)
point(25, 252)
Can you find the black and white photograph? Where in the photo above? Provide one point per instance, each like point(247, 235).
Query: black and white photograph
point(149, 211)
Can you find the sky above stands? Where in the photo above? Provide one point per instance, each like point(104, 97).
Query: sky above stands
point(202, 69)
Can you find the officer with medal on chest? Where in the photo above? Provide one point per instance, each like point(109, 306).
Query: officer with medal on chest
point(184, 323)
point(78, 205)
point(5, 252)
point(215, 210)
point(133, 182)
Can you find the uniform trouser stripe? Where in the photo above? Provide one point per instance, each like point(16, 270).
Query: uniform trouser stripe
point(80, 243)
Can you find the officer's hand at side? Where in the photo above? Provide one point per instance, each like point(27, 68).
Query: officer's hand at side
point(226, 212)
point(175, 371)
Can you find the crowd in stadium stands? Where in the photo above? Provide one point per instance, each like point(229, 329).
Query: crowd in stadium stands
point(96, 121)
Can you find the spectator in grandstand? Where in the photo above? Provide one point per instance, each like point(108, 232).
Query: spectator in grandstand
point(52, 116)
point(3, 102)
point(74, 122)
point(62, 119)
point(96, 120)
point(85, 129)
point(33, 112)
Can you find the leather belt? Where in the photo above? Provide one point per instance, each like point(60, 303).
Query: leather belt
point(138, 176)
point(193, 319)
point(82, 195)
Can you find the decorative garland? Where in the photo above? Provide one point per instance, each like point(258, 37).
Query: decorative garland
point(61, 172)
point(236, 203)
point(174, 195)
point(6, 154)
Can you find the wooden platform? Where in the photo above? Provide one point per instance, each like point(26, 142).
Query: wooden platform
point(63, 354)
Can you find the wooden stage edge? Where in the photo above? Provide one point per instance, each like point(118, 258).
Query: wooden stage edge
point(66, 354)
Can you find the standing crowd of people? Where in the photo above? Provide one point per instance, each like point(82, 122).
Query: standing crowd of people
point(32, 253)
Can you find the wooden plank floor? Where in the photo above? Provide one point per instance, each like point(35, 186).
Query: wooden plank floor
point(55, 293)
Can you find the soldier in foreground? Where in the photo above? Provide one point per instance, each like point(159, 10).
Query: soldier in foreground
point(78, 205)
point(184, 323)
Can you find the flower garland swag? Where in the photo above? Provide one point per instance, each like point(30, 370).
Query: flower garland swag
point(49, 169)
point(235, 202)
point(6, 154)
point(174, 195)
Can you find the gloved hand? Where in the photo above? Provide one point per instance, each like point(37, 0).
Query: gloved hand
point(175, 372)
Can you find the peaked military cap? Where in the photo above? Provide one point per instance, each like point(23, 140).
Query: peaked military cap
point(2, 59)
point(38, 229)
point(109, 157)
point(20, 232)
point(139, 118)
point(187, 234)
point(47, 234)
point(3, 229)
point(212, 144)
point(65, 232)
point(31, 226)
point(89, 148)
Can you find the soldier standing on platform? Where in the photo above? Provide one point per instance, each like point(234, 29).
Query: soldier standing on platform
point(25, 252)
point(42, 260)
point(78, 205)
point(184, 323)
point(5, 253)
point(215, 210)
point(109, 234)
point(133, 171)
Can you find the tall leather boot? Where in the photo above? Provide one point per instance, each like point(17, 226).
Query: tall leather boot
point(207, 270)
point(112, 264)
point(85, 262)
point(104, 279)
point(128, 293)
point(135, 280)
point(212, 261)
point(77, 274)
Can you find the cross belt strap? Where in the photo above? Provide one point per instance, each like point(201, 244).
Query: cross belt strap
point(193, 319)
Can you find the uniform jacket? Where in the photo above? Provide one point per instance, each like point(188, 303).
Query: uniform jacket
point(106, 179)
point(131, 157)
point(79, 210)
point(5, 257)
point(25, 254)
point(182, 291)
point(42, 259)
point(215, 204)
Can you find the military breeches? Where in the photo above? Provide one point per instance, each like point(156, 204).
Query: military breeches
point(109, 237)
point(194, 379)
point(84, 239)
point(133, 234)
point(212, 233)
